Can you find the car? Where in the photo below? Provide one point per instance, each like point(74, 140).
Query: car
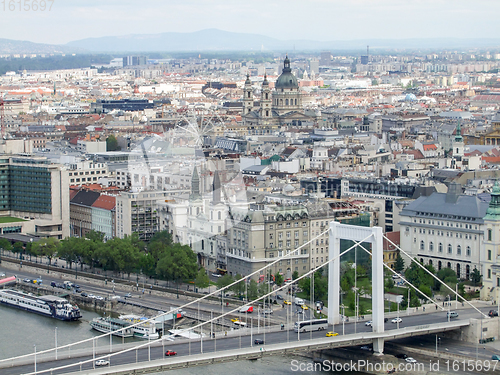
point(304, 307)
point(368, 323)
point(410, 360)
point(287, 302)
point(99, 298)
point(170, 353)
point(258, 342)
point(496, 358)
point(216, 275)
point(452, 314)
point(83, 294)
point(235, 320)
point(397, 320)
point(395, 277)
point(76, 286)
point(2, 274)
point(279, 296)
point(27, 280)
point(128, 295)
point(91, 296)
point(101, 362)
point(386, 320)
point(366, 347)
point(493, 313)
point(77, 290)
point(53, 283)
point(299, 312)
point(331, 334)
point(401, 355)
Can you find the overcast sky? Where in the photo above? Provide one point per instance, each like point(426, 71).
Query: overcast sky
point(321, 20)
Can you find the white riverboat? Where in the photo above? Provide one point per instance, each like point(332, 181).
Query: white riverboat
point(51, 306)
point(145, 330)
point(117, 327)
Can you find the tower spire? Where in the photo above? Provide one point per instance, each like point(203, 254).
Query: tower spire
point(216, 189)
point(195, 185)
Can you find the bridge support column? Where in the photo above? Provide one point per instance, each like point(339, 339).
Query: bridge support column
point(334, 275)
point(378, 346)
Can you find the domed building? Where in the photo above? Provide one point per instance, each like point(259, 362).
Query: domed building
point(277, 109)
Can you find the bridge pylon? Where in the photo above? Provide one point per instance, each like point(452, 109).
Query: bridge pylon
point(355, 233)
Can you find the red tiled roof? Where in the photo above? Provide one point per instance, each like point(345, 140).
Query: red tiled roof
point(430, 147)
point(392, 236)
point(105, 202)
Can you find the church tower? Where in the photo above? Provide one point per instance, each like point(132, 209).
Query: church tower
point(286, 96)
point(266, 100)
point(491, 271)
point(247, 96)
point(458, 144)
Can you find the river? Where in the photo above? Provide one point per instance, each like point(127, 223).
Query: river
point(21, 331)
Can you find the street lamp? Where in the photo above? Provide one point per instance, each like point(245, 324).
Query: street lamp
point(343, 319)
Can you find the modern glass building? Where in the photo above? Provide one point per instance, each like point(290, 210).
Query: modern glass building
point(33, 188)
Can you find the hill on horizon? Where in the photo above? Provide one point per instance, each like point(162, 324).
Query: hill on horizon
point(215, 40)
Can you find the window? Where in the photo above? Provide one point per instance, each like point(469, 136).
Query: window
point(489, 234)
point(431, 246)
point(459, 250)
point(489, 254)
point(450, 250)
point(422, 245)
point(489, 273)
point(468, 251)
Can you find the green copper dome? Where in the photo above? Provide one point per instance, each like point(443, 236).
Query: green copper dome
point(287, 80)
point(493, 211)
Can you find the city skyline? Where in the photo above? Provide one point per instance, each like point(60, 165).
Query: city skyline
point(319, 20)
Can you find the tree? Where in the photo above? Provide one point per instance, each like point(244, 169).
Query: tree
point(239, 288)
point(202, 280)
point(111, 143)
point(399, 265)
point(279, 279)
point(5, 244)
point(252, 290)
point(177, 262)
point(476, 277)
point(224, 281)
point(295, 275)
point(18, 248)
point(47, 247)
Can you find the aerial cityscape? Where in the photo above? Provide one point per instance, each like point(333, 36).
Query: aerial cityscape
point(314, 187)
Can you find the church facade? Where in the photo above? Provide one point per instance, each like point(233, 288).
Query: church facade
point(278, 109)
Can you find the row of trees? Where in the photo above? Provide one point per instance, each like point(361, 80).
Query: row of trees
point(160, 258)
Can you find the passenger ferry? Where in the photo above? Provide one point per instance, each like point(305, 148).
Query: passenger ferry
point(51, 306)
point(118, 327)
point(146, 330)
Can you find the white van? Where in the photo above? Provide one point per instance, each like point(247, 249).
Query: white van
point(299, 301)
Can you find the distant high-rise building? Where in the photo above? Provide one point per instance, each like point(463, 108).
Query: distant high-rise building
point(314, 66)
point(134, 60)
point(325, 59)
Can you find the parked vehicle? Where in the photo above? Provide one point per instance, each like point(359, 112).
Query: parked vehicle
point(258, 342)
point(401, 355)
point(410, 360)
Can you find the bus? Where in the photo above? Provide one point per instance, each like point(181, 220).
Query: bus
point(311, 325)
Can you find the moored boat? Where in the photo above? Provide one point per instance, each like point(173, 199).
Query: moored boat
point(145, 330)
point(117, 327)
point(51, 306)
